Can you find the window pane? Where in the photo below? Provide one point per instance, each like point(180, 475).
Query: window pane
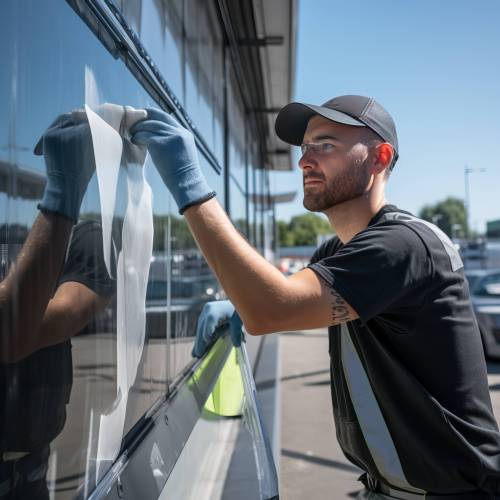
point(159, 27)
point(237, 160)
point(184, 39)
point(59, 393)
point(62, 396)
point(238, 208)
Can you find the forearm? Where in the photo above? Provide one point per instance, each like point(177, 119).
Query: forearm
point(256, 288)
point(31, 281)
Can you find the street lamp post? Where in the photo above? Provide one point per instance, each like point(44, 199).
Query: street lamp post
point(467, 172)
point(455, 230)
point(436, 218)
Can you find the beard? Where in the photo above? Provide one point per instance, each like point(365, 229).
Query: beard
point(346, 186)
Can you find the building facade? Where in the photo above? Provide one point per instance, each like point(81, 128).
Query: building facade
point(222, 69)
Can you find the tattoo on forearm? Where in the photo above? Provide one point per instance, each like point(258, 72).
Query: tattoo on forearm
point(340, 309)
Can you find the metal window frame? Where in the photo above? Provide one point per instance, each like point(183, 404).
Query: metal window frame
point(106, 21)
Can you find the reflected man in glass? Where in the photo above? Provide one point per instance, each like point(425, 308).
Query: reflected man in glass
point(49, 294)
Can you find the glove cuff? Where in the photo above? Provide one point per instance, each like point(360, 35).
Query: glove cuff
point(60, 200)
point(192, 189)
point(207, 197)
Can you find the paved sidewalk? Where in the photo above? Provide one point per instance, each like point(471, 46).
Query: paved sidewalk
point(312, 465)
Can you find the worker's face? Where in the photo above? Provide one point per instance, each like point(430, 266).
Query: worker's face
point(340, 174)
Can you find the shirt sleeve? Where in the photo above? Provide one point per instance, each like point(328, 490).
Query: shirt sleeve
point(329, 247)
point(85, 260)
point(378, 268)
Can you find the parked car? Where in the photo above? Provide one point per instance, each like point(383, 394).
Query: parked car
point(473, 249)
point(484, 285)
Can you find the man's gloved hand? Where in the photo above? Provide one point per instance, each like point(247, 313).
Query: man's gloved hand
point(213, 315)
point(69, 159)
point(174, 154)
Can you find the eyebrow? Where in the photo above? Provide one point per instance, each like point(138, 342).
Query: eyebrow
point(322, 137)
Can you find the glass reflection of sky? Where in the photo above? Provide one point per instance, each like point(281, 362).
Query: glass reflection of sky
point(46, 78)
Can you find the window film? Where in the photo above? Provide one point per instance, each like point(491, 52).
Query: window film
point(116, 155)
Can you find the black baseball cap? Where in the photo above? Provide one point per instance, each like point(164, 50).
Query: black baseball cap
point(355, 110)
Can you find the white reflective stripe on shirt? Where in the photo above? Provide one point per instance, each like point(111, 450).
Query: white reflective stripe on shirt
point(370, 418)
point(455, 260)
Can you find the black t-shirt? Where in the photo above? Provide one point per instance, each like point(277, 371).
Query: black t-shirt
point(420, 347)
point(34, 392)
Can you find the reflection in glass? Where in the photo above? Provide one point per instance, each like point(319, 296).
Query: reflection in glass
point(46, 52)
point(192, 284)
point(237, 159)
point(57, 395)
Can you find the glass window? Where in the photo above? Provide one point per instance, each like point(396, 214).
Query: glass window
point(204, 71)
point(218, 97)
point(253, 198)
point(238, 207)
point(258, 199)
point(61, 406)
point(184, 39)
point(159, 26)
point(237, 158)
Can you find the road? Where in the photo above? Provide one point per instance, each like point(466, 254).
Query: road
point(312, 465)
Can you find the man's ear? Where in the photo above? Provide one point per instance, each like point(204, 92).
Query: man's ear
point(384, 154)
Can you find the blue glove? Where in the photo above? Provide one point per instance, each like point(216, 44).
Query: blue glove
point(213, 315)
point(174, 154)
point(69, 159)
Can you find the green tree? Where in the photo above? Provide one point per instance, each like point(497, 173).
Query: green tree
point(448, 215)
point(302, 230)
point(179, 232)
point(285, 237)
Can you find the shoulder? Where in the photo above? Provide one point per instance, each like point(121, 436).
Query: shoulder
point(326, 249)
point(86, 233)
point(85, 262)
point(437, 244)
point(391, 237)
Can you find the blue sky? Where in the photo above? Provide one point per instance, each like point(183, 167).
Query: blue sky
point(434, 66)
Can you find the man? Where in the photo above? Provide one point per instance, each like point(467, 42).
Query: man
point(49, 294)
point(30, 283)
point(32, 279)
point(408, 376)
point(35, 390)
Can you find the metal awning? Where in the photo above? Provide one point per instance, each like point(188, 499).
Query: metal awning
point(276, 24)
point(27, 184)
point(263, 199)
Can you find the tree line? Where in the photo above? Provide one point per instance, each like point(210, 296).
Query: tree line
point(302, 230)
point(449, 215)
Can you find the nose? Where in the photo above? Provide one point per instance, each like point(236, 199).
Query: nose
point(307, 161)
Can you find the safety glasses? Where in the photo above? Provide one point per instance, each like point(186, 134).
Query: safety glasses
point(320, 148)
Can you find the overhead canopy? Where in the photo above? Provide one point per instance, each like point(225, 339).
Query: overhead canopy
point(29, 184)
point(263, 32)
point(276, 21)
point(263, 199)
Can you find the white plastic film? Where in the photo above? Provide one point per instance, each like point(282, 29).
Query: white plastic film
point(115, 155)
point(264, 461)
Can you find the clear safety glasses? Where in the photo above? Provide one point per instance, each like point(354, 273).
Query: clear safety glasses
point(320, 148)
